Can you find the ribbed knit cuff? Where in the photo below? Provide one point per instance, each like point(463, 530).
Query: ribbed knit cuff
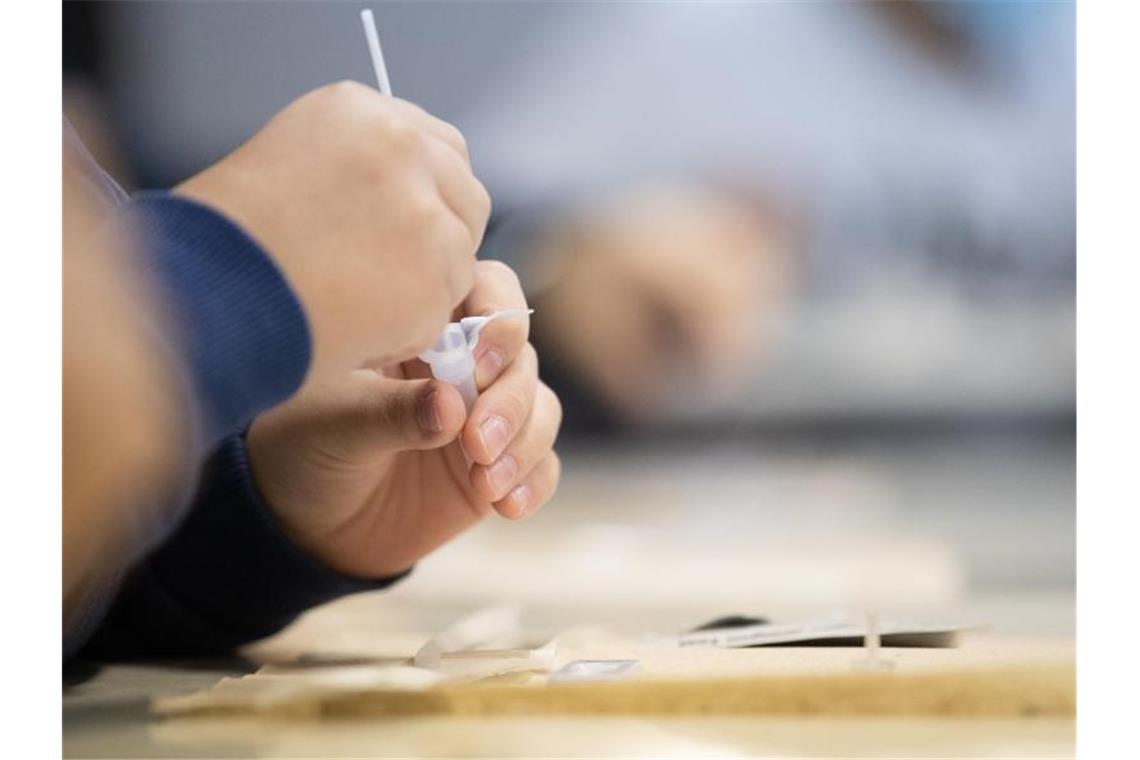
point(244, 333)
point(227, 577)
point(233, 564)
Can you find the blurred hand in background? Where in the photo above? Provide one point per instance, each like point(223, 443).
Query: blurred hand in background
point(926, 149)
point(665, 292)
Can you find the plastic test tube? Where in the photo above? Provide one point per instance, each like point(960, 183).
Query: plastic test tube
point(452, 358)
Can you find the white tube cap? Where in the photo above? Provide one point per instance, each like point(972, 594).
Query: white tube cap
point(452, 358)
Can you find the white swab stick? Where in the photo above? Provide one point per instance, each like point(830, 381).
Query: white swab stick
point(374, 49)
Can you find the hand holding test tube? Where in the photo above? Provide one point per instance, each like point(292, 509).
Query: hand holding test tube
point(452, 357)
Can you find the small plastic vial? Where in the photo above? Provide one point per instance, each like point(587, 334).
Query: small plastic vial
point(452, 358)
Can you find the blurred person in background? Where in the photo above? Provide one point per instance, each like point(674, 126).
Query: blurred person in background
point(872, 204)
point(247, 432)
point(909, 162)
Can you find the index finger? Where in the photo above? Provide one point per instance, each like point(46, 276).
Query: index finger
point(496, 288)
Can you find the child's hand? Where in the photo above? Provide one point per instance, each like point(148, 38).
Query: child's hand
point(369, 206)
point(367, 472)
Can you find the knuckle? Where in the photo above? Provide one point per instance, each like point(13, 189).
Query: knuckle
point(464, 277)
point(497, 270)
point(530, 357)
point(555, 470)
point(401, 138)
point(510, 335)
point(507, 336)
point(457, 284)
point(457, 236)
point(545, 480)
point(424, 214)
point(555, 404)
point(343, 88)
point(515, 406)
point(345, 94)
point(456, 137)
point(486, 204)
point(477, 208)
point(454, 244)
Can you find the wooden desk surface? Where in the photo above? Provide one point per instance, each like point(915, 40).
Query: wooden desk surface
point(571, 737)
point(108, 716)
point(661, 582)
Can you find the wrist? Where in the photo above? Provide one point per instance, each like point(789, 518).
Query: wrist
point(244, 335)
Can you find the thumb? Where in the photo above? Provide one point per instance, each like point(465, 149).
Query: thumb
point(389, 414)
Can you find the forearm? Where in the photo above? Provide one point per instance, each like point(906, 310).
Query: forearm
point(177, 331)
point(124, 426)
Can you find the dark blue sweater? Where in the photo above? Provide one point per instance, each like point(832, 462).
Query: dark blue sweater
point(218, 571)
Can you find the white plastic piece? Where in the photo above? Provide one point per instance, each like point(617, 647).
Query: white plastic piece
point(452, 358)
point(489, 626)
point(596, 670)
point(374, 50)
point(767, 634)
point(486, 643)
point(481, 663)
point(873, 659)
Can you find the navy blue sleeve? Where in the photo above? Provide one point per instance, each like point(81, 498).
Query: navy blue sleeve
point(228, 576)
point(243, 335)
point(219, 572)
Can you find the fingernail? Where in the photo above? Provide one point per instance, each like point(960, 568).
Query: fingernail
point(520, 498)
point(494, 435)
point(427, 413)
point(489, 366)
point(503, 473)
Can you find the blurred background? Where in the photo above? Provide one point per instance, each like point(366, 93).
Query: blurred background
point(803, 272)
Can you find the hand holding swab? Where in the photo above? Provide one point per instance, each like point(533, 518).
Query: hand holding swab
point(452, 357)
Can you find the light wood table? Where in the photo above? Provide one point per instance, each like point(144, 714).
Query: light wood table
point(107, 718)
point(661, 541)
